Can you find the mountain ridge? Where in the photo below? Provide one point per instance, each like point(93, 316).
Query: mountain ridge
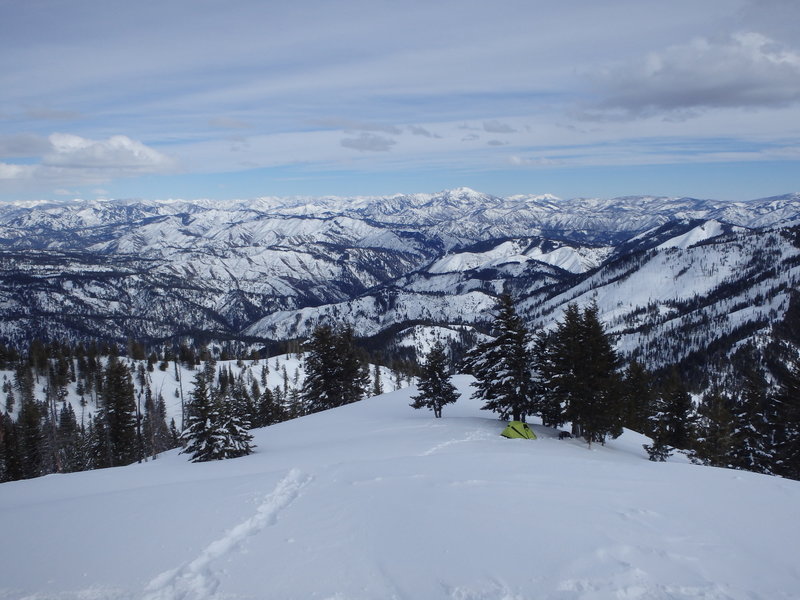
point(158, 271)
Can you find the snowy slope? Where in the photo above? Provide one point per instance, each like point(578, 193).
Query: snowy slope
point(376, 500)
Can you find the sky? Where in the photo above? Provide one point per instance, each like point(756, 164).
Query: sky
point(161, 99)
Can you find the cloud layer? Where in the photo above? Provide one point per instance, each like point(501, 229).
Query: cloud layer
point(106, 93)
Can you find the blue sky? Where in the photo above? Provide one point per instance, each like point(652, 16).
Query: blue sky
point(238, 99)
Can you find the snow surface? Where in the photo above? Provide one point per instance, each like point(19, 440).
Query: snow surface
point(376, 501)
point(703, 232)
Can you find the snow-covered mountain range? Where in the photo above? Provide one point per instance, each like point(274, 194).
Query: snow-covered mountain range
point(671, 276)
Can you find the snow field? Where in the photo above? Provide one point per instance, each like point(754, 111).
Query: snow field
point(377, 500)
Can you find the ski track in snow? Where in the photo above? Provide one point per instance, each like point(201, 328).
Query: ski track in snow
point(471, 437)
point(197, 580)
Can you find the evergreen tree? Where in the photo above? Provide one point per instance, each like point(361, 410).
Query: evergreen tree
point(214, 431)
point(557, 358)
point(752, 439)
point(578, 369)
point(335, 372)
point(502, 366)
point(118, 409)
point(637, 397)
point(319, 386)
point(714, 429)
point(671, 423)
point(204, 435)
point(787, 447)
point(377, 385)
point(30, 439)
point(353, 371)
point(11, 467)
point(269, 411)
point(99, 443)
point(155, 430)
point(70, 448)
point(435, 388)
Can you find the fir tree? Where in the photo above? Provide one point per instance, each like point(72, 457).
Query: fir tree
point(672, 420)
point(268, 410)
point(70, 447)
point(11, 465)
point(99, 443)
point(118, 406)
point(155, 430)
point(203, 435)
point(435, 388)
point(377, 385)
point(213, 430)
point(714, 429)
point(557, 359)
point(578, 369)
point(30, 439)
point(502, 366)
point(335, 372)
point(637, 397)
point(752, 439)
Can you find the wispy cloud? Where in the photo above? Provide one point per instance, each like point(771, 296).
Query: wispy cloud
point(497, 127)
point(417, 130)
point(228, 123)
point(355, 125)
point(369, 142)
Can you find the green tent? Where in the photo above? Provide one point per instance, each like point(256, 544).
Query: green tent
point(518, 429)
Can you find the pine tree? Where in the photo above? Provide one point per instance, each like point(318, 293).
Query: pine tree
point(714, 429)
point(578, 369)
point(118, 407)
point(99, 443)
point(204, 434)
point(502, 366)
point(155, 430)
point(752, 439)
point(319, 387)
point(637, 397)
point(70, 449)
point(214, 431)
point(335, 372)
point(30, 439)
point(435, 388)
point(557, 359)
point(672, 421)
point(377, 384)
point(12, 467)
point(268, 410)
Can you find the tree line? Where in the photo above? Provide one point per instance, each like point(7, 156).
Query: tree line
point(121, 420)
point(572, 374)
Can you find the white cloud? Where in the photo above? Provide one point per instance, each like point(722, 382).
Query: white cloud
point(119, 154)
point(744, 70)
point(8, 171)
point(67, 160)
